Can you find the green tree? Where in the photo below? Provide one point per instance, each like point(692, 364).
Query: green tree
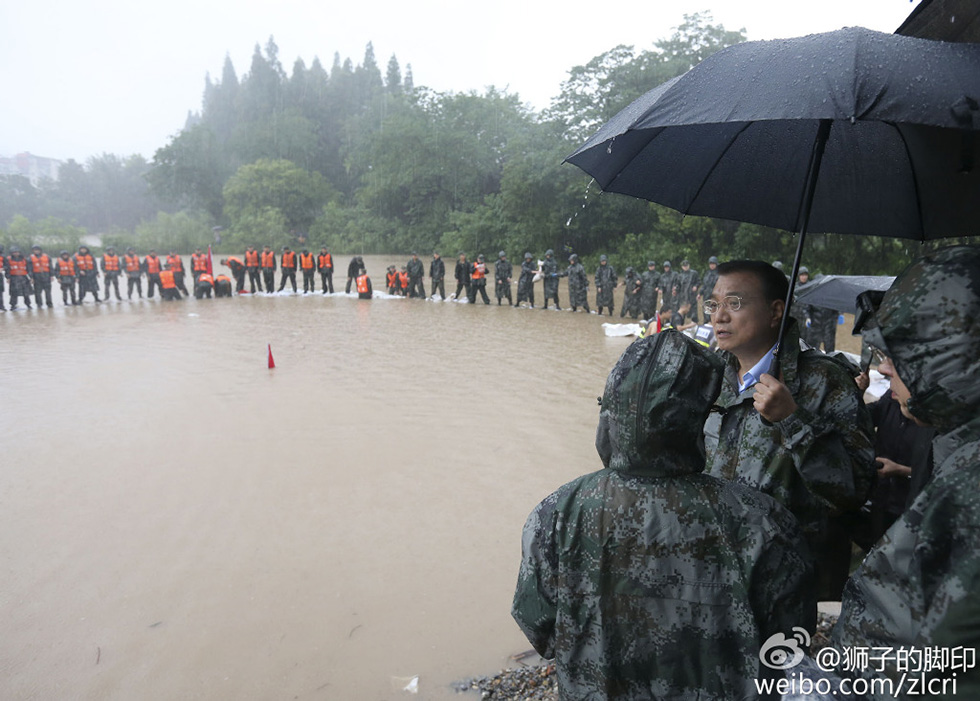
point(277, 190)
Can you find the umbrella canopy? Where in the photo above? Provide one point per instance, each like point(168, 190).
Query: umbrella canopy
point(839, 292)
point(733, 137)
point(847, 132)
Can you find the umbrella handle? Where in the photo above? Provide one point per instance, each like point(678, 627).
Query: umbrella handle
point(803, 218)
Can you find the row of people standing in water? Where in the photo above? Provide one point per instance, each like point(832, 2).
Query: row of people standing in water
point(679, 290)
point(78, 275)
point(257, 270)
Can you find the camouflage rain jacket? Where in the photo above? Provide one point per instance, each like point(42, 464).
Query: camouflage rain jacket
point(919, 585)
point(578, 285)
point(649, 579)
point(818, 462)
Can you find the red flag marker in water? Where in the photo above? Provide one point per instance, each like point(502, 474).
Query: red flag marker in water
point(210, 263)
point(272, 363)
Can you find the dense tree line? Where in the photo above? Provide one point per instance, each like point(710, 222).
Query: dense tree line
point(364, 161)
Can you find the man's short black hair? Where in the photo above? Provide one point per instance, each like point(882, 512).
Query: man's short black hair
point(773, 282)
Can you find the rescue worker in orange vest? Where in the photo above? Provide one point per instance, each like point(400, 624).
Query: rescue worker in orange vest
point(41, 273)
point(88, 274)
point(203, 286)
point(176, 265)
point(199, 263)
point(3, 268)
point(324, 263)
point(403, 282)
point(307, 263)
point(65, 268)
point(18, 271)
point(268, 262)
point(152, 268)
point(134, 272)
point(252, 268)
point(363, 285)
point(478, 280)
point(287, 268)
point(110, 271)
point(168, 286)
point(238, 270)
point(222, 286)
point(391, 279)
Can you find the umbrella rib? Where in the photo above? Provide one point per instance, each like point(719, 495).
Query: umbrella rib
point(915, 180)
point(714, 165)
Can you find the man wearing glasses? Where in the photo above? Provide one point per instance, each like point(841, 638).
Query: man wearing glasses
point(805, 437)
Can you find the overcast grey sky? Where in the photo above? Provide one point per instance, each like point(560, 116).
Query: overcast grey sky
point(85, 77)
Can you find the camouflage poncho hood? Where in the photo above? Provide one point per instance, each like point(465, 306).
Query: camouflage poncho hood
point(930, 328)
point(645, 425)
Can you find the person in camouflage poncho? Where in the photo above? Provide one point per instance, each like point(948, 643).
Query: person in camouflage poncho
point(668, 287)
point(525, 283)
point(549, 271)
point(648, 293)
point(810, 444)
point(605, 283)
point(919, 585)
point(649, 579)
point(578, 284)
point(632, 289)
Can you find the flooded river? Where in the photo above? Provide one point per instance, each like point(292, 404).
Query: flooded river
point(177, 521)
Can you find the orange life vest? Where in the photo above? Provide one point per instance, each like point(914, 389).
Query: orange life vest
point(132, 263)
point(362, 284)
point(251, 259)
point(167, 280)
point(152, 265)
point(111, 263)
point(288, 260)
point(392, 279)
point(268, 259)
point(17, 267)
point(199, 262)
point(41, 263)
point(403, 278)
point(204, 277)
point(66, 267)
point(223, 278)
point(234, 259)
point(306, 261)
point(325, 260)
point(84, 263)
point(175, 263)
point(479, 271)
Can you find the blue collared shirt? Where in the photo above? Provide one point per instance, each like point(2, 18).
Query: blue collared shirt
point(753, 375)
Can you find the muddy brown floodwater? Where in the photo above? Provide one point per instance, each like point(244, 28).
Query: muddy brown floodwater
point(177, 521)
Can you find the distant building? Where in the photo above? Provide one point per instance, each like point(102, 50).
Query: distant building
point(34, 168)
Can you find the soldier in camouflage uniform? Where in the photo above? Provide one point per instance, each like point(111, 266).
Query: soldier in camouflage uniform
point(605, 283)
point(648, 293)
point(708, 285)
point(549, 271)
point(688, 281)
point(525, 283)
point(668, 287)
point(578, 284)
point(918, 586)
point(503, 272)
point(633, 287)
point(650, 579)
point(804, 439)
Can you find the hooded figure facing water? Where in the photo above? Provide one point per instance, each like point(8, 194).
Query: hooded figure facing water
point(650, 579)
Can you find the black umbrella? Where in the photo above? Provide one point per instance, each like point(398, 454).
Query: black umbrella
point(840, 292)
point(848, 132)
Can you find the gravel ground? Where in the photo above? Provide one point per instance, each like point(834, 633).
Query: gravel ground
point(539, 683)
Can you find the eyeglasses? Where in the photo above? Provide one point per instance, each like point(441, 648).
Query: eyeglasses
point(732, 303)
